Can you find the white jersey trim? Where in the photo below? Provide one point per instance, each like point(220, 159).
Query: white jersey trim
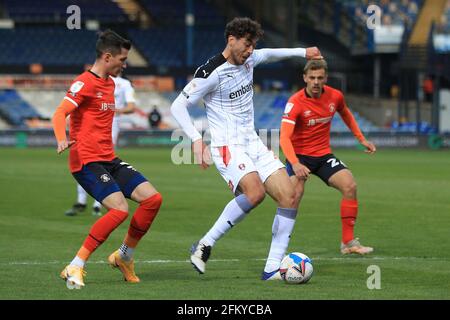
point(71, 100)
point(288, 121)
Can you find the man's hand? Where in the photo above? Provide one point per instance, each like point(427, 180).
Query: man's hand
point(64, 144)
point(202, 155)
point(301, 171)
point(370, 147)
point(313, 53)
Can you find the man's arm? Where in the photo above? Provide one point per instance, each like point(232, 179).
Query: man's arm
point(351, 123)
point(286, 131)
point(180, 113)
point(59, 124)
point(272, 55)
point(129, 108)
point(130, 99)
point(191, 95)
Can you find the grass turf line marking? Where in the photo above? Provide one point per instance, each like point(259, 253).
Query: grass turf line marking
point(342, 259)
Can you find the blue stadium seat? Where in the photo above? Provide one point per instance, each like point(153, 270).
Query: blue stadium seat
point(47, 45)
point(51, 10)
point(14, 109)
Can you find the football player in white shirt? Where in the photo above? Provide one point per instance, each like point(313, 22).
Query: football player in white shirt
point(225, 83)
point(125, 102)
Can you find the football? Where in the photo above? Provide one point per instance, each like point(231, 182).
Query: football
point(296, 268)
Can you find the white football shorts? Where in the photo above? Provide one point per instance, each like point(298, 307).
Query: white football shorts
point(235, 161)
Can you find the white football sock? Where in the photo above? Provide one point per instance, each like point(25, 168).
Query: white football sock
point(126, 252)
point(82, 195)
point(282, 227)
point(234, 212)
point(97, 204)
point(77, 261)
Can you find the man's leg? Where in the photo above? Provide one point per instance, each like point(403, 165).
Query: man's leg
point(343, 181)
point(102, 228)
point(136, 187)
point(235, 211)
point(96, 209)
point(109, 193)
point(280, 188)
point(80, 205)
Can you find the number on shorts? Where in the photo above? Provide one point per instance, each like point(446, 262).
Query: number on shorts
point(335, 162)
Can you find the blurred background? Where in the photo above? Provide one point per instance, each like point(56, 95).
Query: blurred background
point(391, 58)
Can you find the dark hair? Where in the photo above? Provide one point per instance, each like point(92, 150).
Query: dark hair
point(315, 65)
point(243, 27)
point(109, 41)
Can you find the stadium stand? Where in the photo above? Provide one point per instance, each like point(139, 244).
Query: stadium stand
point(14, 109)
point(40, 36)
point(46, 45)
point(396, 12)
point(51, 11)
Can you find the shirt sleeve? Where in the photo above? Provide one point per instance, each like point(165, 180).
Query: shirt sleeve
point(288, 122)
point(272, 55)
point(199, 87)
point(349, 119)
point(77, 92)
point(291, 112)
point(181, 115)
point(130, 95)
point(59, 119)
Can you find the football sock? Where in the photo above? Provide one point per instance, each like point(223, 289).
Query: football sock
point(103, 227)
point(97, 204)
point(77, 261)
point(282, 227)
point(234, 212)
point(81, 195)
point(349, 211)
point(126, 252)
point(142, 219)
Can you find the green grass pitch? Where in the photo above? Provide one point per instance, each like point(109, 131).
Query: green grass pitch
point(404, 214)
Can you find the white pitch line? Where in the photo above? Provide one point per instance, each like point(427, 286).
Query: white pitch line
point(341, 259)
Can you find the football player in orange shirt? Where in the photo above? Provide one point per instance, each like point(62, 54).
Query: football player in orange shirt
point(93, 163)
point(305, 141)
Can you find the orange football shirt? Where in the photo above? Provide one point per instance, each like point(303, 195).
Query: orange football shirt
point(91, 121)
point(312, 119)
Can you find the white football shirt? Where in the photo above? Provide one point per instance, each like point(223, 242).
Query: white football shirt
point(227, 91)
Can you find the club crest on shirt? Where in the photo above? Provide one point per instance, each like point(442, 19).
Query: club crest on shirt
point(189, 89)
point(307, 113)
point(76, 87)
point(288, 109)
point(332, 107)
point(242, 166)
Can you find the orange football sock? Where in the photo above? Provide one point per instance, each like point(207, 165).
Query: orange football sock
point(103, 227)
point(349, 211)
point(83, 253)
point(143, 219)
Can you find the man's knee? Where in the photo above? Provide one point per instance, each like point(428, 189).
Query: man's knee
point(349, 189)
point(288, 199)
point(298, 195)
point(116, 202)
point(122, 206)
point(152, 202)
point(256, 195)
